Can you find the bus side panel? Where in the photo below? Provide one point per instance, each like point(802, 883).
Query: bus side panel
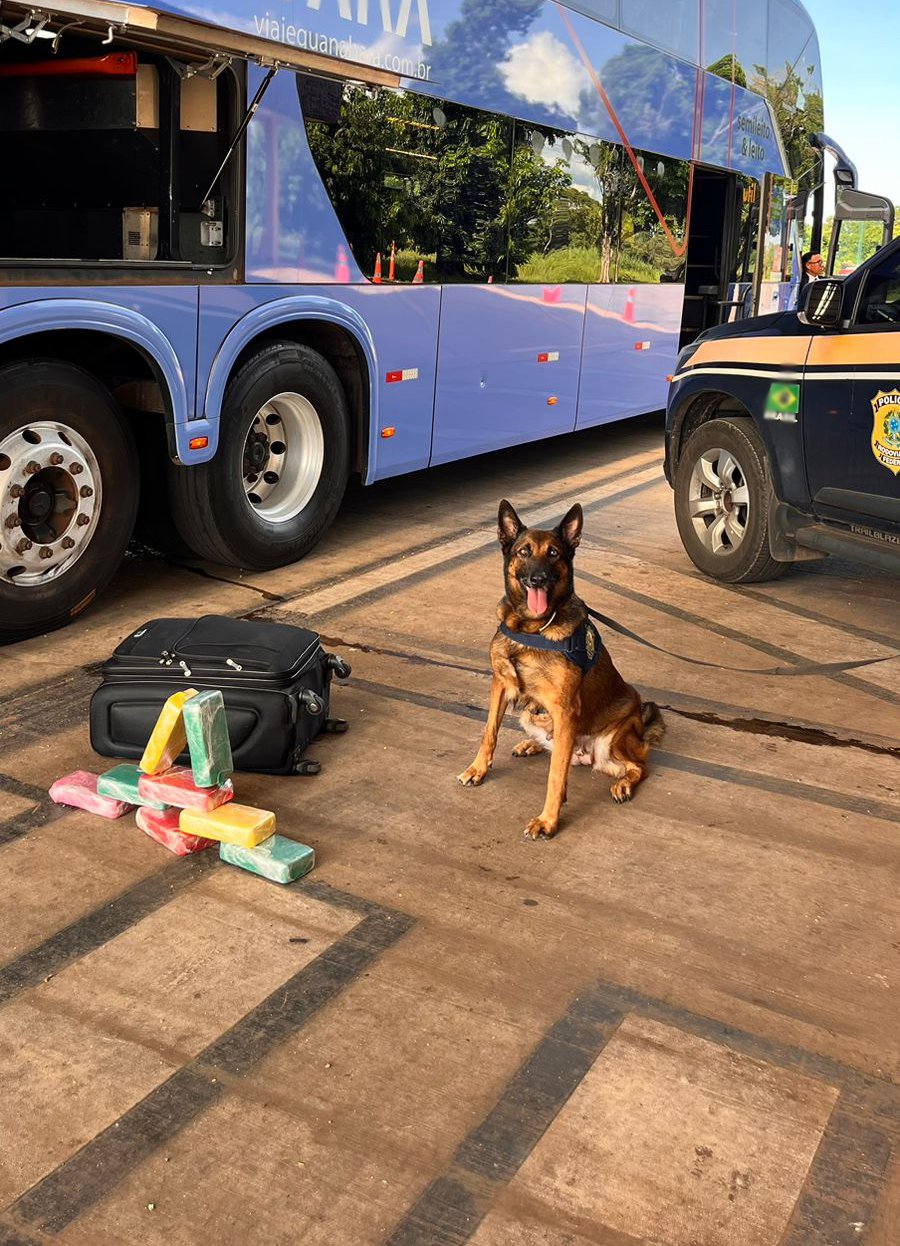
point(508, 365)
point(630, 346)
point(395, 327)
point(134, 313)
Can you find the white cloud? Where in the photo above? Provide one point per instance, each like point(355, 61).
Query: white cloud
point(542, 70)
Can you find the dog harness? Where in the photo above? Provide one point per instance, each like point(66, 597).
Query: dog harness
point(583, 647)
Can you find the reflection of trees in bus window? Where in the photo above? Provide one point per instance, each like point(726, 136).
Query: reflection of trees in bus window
point(650, 92)
point(651, 249)
point(429, 176)
point(564, 217)
point(738, 31)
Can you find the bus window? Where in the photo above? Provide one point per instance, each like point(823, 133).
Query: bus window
point(653, 240)
point(676, 32)
point(423, 176)
point(738, 32)
point(563, 207)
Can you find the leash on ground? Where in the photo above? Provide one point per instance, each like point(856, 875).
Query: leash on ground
point(804, 668)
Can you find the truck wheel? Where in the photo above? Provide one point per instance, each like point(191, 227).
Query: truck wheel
point(68, 494)
point(722, 499)
point(280, 471)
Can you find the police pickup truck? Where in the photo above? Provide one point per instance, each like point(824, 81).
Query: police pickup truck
point(783, 431)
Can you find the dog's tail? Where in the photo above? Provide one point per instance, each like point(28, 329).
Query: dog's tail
point(654, 723)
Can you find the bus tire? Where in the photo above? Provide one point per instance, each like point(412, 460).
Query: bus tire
point(281, 467)
point(68, 494)
point(723, 497)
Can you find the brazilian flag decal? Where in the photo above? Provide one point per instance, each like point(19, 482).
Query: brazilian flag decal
point(783, 402)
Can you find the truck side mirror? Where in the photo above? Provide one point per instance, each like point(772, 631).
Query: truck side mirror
point(821, 304)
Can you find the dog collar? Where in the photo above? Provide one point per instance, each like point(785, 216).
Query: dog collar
point(582, 647)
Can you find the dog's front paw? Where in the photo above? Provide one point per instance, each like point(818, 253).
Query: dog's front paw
point(538, 827)
point(473, 776)
point(622, 791)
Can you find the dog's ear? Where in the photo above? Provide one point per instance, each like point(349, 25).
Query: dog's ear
point(570, 528)
point(509, 525)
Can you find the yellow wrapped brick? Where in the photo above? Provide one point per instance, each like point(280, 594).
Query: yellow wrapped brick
point(230, 824)
point(167, 740)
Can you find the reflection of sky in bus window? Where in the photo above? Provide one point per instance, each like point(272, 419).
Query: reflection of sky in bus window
point(748, 42)
point(606, 10)
point(789, 32)
point(675, 30)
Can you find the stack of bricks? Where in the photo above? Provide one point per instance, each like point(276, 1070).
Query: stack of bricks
point(190, 808)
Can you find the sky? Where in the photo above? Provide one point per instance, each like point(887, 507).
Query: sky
point(862, 105)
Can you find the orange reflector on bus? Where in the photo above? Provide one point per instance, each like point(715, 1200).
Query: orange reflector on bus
point(388, 432)
point(198, 443)
point(670, 377)
point(552, 401)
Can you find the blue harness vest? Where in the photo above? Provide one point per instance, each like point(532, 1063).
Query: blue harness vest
point(583, 647)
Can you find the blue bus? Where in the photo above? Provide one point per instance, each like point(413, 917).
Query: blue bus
point(245, 254)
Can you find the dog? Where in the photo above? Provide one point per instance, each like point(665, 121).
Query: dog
point(573, 702)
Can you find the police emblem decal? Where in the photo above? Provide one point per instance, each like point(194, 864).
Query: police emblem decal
point(886, 429)
point(590, 643)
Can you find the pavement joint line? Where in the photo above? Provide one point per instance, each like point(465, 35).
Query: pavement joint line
point(741, 590)
point(672, 761)
point(410, 569)
point(88, 1176)
point(38, 716)
point(751, 642)
point(841, 1186)
point(102, 924)
point(16, 787)
point(41, 688)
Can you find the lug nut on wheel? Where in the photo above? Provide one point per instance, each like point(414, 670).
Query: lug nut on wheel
point(46, 552)
point(86, 491)
point(75, 469)
point(55, 459)
point(13, 521)
point(16, 491)
point(23, 546)
point(32, 468)
point(82, 520)
point(68, 543)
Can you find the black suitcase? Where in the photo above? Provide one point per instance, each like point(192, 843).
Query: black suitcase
point(275, 680)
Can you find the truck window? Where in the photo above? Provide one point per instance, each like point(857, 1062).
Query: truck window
point(880, 303)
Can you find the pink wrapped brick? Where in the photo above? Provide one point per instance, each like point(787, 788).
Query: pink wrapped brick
point(163, 827)
point(79, 790)
point(177, 787)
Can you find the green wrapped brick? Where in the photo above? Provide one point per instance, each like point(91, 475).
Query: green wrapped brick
point(121, 783)
point(206, 728)
point(278, 859)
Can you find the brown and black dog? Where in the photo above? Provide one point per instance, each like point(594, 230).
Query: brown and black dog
point(573, 703)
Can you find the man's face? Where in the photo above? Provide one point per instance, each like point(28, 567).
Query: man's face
point(815, 265)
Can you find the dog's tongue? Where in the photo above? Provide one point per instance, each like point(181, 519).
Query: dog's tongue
point(537, 600)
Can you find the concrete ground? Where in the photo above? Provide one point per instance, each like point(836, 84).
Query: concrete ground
point(675, 1024)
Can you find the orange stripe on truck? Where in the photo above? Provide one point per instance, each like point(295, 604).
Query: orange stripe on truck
point(782, 351)
point(852, 349)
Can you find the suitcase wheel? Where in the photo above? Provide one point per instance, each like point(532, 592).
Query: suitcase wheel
point(340, 668)
point(335, 726)
point(311, 703)
point(307, 767)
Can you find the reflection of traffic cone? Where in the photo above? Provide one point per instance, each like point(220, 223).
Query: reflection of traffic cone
point(420, 274)
point(491, 279)
point(377, 278)
point(628, 314)
point(391, 269)
point(342, 267)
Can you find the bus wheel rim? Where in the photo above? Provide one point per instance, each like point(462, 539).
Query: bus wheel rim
point(283, 457)
point(51, 495)
point(719, 501)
